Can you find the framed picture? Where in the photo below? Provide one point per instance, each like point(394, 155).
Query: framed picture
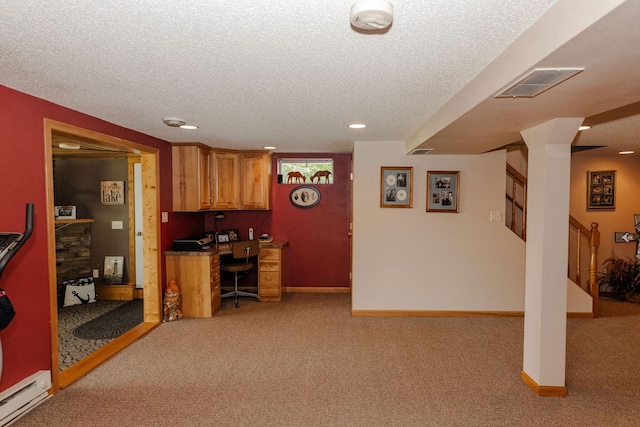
point(222, 238)
point(601, 189)
point(113, 268)
point(65, 212)
point(112, 192)
point(233, 234)
point(304, 196)
point(443, 190)
point(396, 187)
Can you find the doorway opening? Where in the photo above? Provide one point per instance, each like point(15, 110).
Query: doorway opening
point(89, 144)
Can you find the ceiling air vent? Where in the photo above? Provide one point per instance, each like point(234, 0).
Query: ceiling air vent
point(421, 151)
point(537, 81)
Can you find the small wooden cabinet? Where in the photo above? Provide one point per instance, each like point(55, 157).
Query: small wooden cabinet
point(192, 177)
point(271, 272)
point(198, 276)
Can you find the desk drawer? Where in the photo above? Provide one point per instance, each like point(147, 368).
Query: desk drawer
point(215, 274)
point(269, 290)
point(269, 254)
point(214, 261)
point(269, 266)
point(269, 280)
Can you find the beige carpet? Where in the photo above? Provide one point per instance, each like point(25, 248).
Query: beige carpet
point(307, 362)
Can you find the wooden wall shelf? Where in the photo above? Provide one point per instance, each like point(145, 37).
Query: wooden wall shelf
point(73, 221)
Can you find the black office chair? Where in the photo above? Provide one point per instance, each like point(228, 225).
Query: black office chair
point(243, 250)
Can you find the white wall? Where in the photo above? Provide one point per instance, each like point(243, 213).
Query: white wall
point(409, 259)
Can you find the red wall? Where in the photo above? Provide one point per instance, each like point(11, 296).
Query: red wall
point(319, 252)
point(318, 256)
point(26, 341)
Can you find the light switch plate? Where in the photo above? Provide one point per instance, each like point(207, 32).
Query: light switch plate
point(495, 216)
point(165, 216)
point(116, 225)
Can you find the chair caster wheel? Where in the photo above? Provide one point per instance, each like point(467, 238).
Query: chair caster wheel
point(237, 305)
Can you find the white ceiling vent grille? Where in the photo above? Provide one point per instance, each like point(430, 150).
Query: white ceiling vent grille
point(537, 81)
point(421, 151)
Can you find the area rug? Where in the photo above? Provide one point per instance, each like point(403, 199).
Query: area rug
point(113, 323)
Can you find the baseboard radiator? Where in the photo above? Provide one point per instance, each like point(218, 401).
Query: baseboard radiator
point(22, 397)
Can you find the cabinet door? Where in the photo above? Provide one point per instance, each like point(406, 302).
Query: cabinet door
point(205, 176)
point(256, 180)
point(191, 175)
point(226, 181)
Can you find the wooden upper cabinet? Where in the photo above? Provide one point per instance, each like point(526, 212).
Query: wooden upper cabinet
point(226, 180)
point(206, 178)
point(191, 176)
point(255, 180)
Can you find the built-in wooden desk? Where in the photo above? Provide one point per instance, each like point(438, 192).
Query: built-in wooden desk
point(197, 274)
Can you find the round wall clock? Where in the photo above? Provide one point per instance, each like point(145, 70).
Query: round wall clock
point(304, 196)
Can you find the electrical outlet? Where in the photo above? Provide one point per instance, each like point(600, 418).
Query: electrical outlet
point(165, 216)
point(96, 273)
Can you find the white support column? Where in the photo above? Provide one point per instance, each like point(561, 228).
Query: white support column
point(545, 320)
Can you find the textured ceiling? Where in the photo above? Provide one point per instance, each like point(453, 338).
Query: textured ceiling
point(253, 73)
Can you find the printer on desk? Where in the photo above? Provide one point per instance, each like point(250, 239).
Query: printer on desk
point(193, 243)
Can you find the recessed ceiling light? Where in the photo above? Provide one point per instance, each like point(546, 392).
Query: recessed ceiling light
point(188, 127)
point(69, 146)
point(269, 147)
point(626, 152)
point(584, 127)
point(357, 126)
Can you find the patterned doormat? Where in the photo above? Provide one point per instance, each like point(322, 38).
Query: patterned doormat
point(113, 323)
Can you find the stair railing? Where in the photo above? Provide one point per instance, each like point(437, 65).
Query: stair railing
point(583, 258)
point(516, 206)
point(583, 248)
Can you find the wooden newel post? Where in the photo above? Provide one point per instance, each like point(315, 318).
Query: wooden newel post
point(593, 267)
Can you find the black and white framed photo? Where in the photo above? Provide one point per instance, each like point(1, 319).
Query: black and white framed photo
point(65, 212)
point(601, 189)
point(443, 191)
point(304, 196)
point(113, 268)
point(396, 187)
point(223, 238)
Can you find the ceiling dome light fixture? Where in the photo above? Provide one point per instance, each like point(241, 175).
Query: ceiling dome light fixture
point(174, 122)
point(372, 14)
point(357, 126)
point(177, 122)
point(584, 127)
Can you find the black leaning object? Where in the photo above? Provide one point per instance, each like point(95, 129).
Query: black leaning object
point(6, 308)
